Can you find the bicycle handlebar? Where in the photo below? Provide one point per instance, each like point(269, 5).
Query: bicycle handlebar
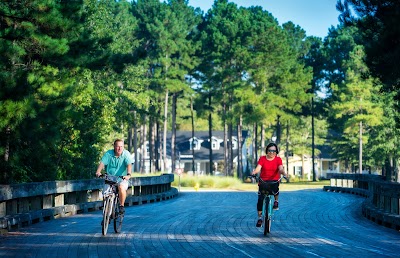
point(257, 177)
point(105, 175)
point(110, 179)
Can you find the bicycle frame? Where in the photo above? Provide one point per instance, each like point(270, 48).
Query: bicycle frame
point(267, 211)
point(110, 205)
point(268, 202)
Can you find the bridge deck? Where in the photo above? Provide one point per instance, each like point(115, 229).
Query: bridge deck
point(310, 223)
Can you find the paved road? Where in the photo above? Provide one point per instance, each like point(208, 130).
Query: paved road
point(310, 223)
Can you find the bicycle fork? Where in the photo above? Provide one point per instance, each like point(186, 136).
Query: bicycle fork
point(109, 204)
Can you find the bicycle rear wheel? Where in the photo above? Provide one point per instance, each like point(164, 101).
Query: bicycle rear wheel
point(107, 210)
point(118, 219)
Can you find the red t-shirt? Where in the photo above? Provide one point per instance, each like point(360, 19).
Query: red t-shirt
point(269, 168)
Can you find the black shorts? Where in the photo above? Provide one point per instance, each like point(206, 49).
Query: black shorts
point(270, 187)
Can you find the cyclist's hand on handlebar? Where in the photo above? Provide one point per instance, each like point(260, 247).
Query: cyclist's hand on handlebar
point(98, 174)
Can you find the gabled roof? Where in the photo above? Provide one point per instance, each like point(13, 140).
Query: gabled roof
point(182, 142)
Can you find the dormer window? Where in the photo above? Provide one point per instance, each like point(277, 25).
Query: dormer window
point(234, 143)
point(195, 143)
point(215, 143)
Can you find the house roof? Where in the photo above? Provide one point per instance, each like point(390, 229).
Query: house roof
point(326, 152)
point(182, 142)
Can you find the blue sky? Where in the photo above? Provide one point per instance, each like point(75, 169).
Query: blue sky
point(314, 16)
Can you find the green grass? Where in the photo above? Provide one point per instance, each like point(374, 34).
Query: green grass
point(229, 183)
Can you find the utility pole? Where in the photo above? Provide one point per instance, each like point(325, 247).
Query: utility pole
point(278, 131)
point(360, 154)
point(287, 148)
point(312, 136)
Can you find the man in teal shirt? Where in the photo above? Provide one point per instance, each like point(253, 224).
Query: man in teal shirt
point(117, 162)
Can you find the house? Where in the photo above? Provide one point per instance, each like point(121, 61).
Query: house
point(324, 163)
point(199, 145)
point(196, 151)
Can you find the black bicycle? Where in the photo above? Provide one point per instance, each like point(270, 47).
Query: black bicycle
point(268, 201)
point(110, 205)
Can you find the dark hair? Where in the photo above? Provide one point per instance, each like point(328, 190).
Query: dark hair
point(270, 145)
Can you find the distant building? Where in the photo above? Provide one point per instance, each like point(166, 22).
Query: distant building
point(200, 144)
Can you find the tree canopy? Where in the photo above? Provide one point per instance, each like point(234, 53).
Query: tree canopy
point(75, 75)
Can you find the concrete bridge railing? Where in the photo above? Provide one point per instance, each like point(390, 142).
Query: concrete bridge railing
point(382, 198)
point(24, 204)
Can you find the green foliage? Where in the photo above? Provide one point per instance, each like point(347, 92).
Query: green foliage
point(358, 101)
point(207, 182)
point(74, 75)
point(378, 24)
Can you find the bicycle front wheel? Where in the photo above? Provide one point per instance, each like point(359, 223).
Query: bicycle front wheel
point(107, 210)
point(267, 217)
point(267, 226)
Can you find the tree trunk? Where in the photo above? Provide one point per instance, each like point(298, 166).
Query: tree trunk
point(303, 176)
point(143, 146)
point(130, 138)
point(396, 171)
point(158, 146)
point(164, 168)
point(239, 159)
point(153, 145)
point(255, 144)
point(226, 161)
point(173, 133)
point(230, 149)
point(192, 116)
point(262, 137)
point(135, 140)
point(360, 150)
point(210, 136)
point(151, 151)
point(7, 147)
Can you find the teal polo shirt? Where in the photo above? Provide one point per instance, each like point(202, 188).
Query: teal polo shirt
point(116, 166)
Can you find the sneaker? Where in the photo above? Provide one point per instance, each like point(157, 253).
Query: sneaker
point(275, 207)
point(259, 222)
point(121, 209)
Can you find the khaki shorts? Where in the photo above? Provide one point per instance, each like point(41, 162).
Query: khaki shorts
point(123, 183)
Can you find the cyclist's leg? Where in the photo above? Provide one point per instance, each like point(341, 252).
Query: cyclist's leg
point(260, 202)
point(275, 190)
point(122, 187)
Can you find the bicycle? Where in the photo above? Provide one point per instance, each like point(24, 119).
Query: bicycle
point(110, 205)
point(268, 202)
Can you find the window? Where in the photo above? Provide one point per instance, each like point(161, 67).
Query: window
point(298, 171)
point(234, 143)
point(195, 144)
point(215, 143)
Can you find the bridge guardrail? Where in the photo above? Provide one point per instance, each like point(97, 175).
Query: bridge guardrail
point(382, 198)
point(24, 204)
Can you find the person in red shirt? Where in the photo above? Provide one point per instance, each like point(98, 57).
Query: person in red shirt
point(271, 169)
